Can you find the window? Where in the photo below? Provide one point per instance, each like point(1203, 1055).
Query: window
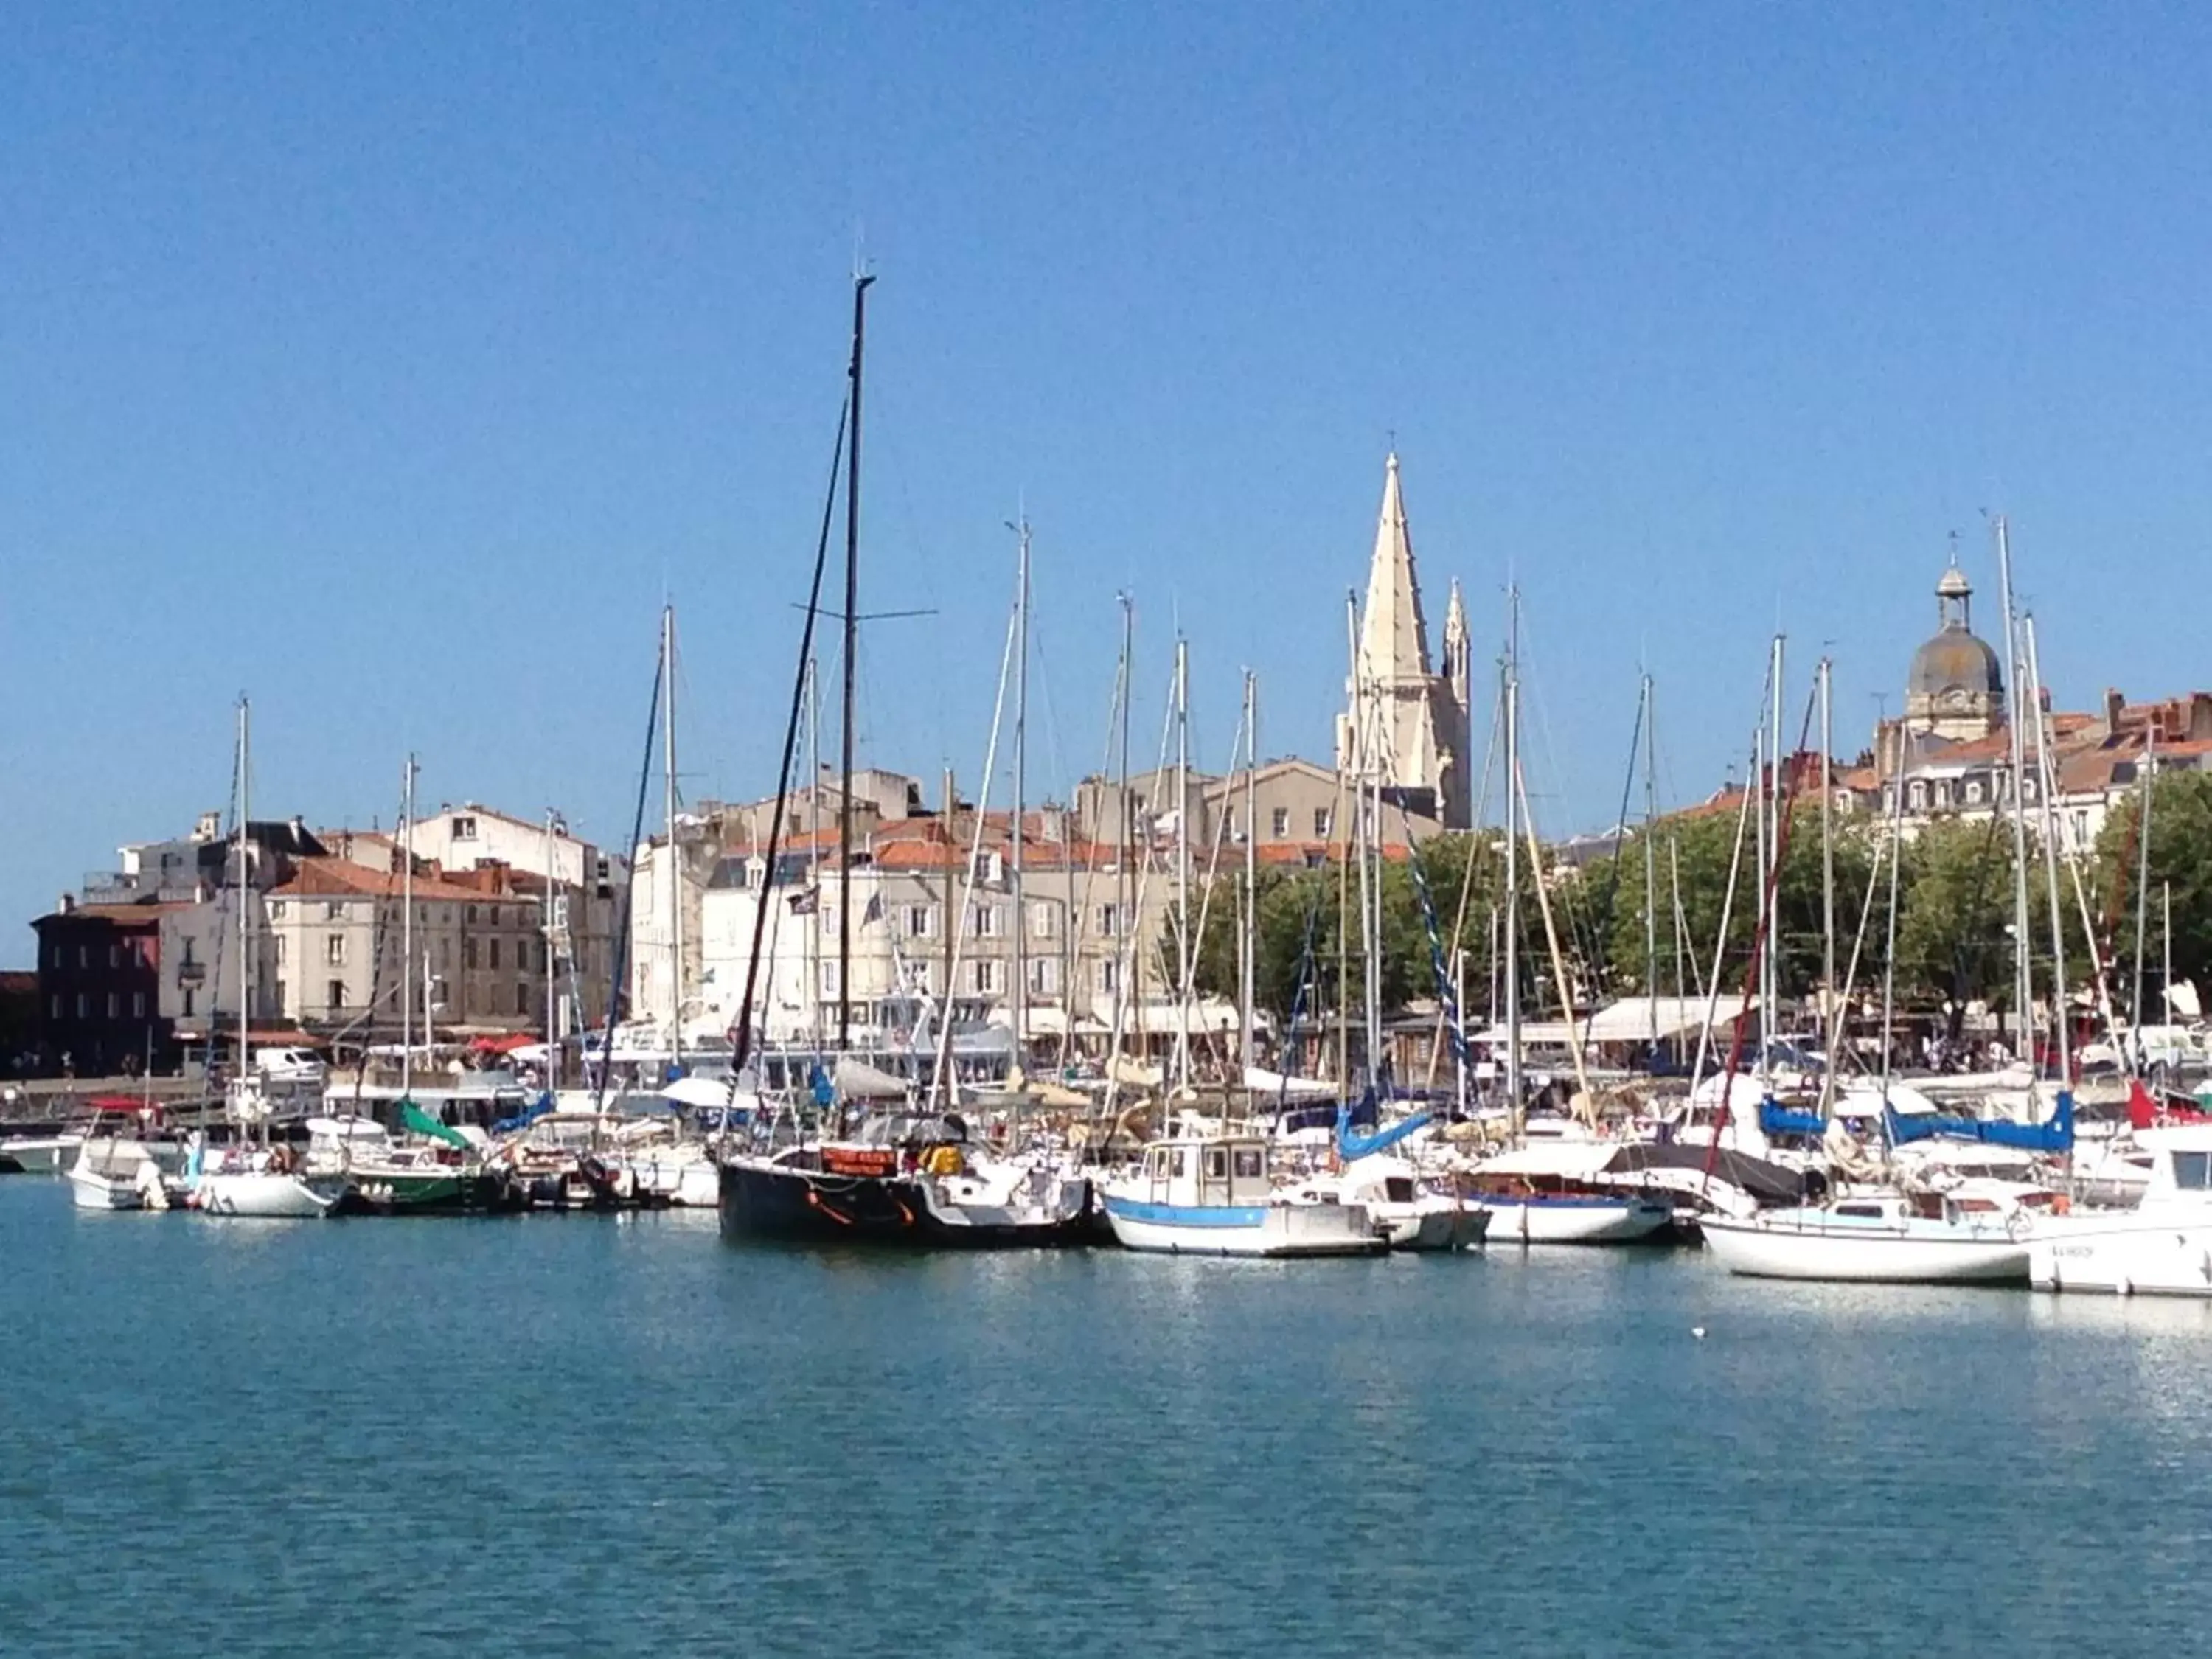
point(472, 912)
point(982, 921)
point(1179, 1161)
point(468, 953)
point(1109, 977)
point(137, 1005)
point(334, 911)
point(114, 1006)
point(521, 999)
point(1321, 824)
point(1942, 792)
point(1216, 1163)
point(2192, 1171)
point(984, 976)
point(337, 999)
point(280, 949)
point(825, 978)
point(115, 956)
point(1974, 792)
point(2027, 789)
point(1918, 795)
point(276, 911)
point(1281, 822)
point(55, 1012)
point(84, 1006)
point(1043, 921)
point(84, 956)
point(1250, 1164)
point(464, 828)
point(495, 955)
point(922, 921)
point(1109, 920)
point(1044, 976)
point(280, 993)
point(334, 950)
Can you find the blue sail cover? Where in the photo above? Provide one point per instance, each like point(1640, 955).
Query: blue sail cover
point(1350, 1146)
point(2056, 1135)
point(528, 1115)
point(1779, 1119)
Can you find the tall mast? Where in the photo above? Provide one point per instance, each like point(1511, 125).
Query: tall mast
point(1650, 869)
point(2045, 788)
point(675, 857)
point(1251, 942)
point(244, 885)
point(1182, 863)
point(1770, 966)
point(2143, 890)
point(2023, 987)
point(1021, 797)
point(407, 931)
point(1125, 953)
point(851, 645)
point(551, 918)
point(1828, 1011)
point(1349, 793)
point(1513, 858)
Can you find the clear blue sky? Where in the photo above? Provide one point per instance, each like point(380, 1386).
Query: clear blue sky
point(391, 365)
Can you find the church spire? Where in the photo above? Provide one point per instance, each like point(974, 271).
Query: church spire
point(1393, 639)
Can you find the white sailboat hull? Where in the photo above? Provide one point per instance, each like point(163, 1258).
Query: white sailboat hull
point(91, 1190)
point(1934, 1254)
point(1625, 1221)
point(1269, 1230)
point(2122, 1254)
point(261, 1194)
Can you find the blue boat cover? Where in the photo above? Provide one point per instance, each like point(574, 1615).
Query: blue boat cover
point(2056, 1135)
point(528, 1115)
point(1779, 1119)
point(1350, 1146)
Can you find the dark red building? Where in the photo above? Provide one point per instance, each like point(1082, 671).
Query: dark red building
point(100, 987)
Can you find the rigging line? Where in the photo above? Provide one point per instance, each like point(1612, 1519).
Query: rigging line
point(742, 1038)
point(1601, 924)
point(630, 892)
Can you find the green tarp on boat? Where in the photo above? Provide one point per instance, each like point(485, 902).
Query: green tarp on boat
point(414, 1118)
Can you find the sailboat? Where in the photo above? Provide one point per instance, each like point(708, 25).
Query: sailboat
point(1542, 1192)
point(906, 1177)
point(246, 1179)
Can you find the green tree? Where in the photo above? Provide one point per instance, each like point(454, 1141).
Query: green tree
point(1955, 914)
point(2180, 858)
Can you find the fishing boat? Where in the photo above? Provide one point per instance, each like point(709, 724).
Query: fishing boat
point(1411, 1211)
point(1555, 1193)
point(915, 1182)
point(2163, 1247)
point(114, 1173)
point(1214, 1195)
point(1893, 1238)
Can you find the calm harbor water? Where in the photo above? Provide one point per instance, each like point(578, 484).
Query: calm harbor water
point(565, 1434)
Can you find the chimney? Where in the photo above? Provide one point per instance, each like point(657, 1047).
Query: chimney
point(2114, 703)
point(68, 903)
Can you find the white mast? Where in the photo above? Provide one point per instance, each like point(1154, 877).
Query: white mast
point(2143, 891)
point(675, 856)
point(245, 888)
point(552, 990)
point(1021, 1001)
point(1650, 868)
point(1248, 989)
point(1513, 860)
point(2045, 789)
point(2023, 987)
point(1182, 863)
point(1828, 1010)
point(407, 930)
point(1769, 970)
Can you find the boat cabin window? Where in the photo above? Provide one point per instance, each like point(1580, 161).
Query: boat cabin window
point(1251, 1163)
point(1398, 1189)
point(1216, 1163)
point(2192, 1171)
point(1155, 1161)
point(1182, 1161)
point(1871, 1211)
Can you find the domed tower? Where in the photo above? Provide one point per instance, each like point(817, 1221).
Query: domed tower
point(1956, 689)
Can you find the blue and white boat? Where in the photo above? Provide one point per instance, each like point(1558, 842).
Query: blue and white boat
point(1214, 1195)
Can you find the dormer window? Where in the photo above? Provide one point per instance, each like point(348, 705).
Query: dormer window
point(464, 828)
